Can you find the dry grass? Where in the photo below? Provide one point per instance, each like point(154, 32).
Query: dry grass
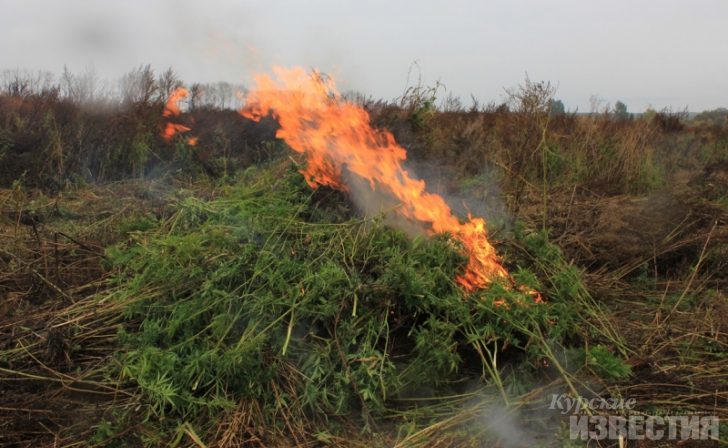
point(53, 337)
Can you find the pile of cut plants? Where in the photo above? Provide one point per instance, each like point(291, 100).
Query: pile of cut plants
point(264, 312)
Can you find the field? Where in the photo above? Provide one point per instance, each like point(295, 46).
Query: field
point(199, 289)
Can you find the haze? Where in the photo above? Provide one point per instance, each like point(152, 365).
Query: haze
point(646, 53)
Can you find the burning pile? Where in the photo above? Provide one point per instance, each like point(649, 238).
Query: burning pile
point(336, 137)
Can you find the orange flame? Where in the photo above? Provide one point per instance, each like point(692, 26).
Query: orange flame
point(333, 134)
point(171, 109)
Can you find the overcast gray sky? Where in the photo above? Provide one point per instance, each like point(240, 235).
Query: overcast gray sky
point(642, 52)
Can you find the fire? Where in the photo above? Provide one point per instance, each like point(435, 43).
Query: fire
point(335, 134)
point(171, 109)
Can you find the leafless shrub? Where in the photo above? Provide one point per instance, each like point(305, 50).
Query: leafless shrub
point(669, 120)
point(451, 104)
point(23, 83)
point(531, 98)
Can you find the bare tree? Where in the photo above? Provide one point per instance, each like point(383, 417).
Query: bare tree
point(597, 106)
point(223, 94)
point(90, 81)
point(68, 83)
point(85, 87)
point(168, 82)
point(196, 93)
point(138, 86)
point(218, 95)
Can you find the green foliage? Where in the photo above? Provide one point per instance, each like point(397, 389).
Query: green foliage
point(140, 150)
point(54, 148)
point(251, 297)
point(139, 224)
point(421, 104)
point(649, 114)
point(107, 431)
point(606, 365)
point(650, 175)
point(75, 181)
point(620, 112)
point(556, 107)
point(716, 117)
